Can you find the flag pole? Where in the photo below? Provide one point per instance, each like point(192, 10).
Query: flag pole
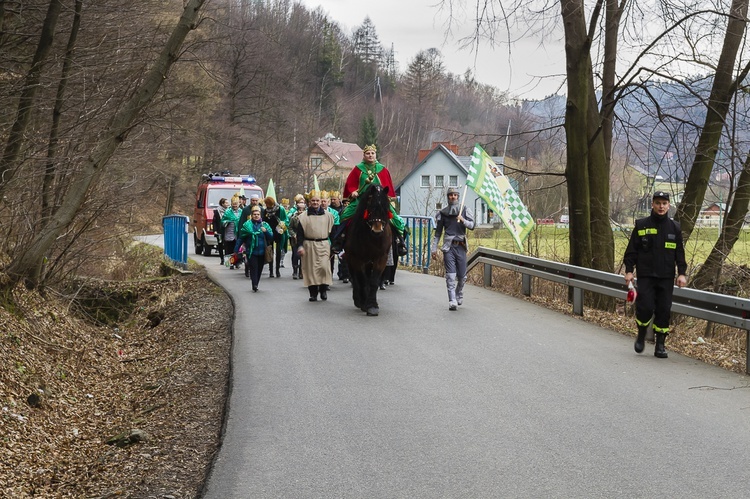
point(463, 197)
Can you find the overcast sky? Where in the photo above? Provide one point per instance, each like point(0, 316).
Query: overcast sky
point(414, 25)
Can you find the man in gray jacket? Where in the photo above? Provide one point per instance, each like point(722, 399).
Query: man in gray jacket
point(452, 225)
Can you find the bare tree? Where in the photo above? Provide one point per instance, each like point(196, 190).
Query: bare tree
point(27, 266)
point(724, 87)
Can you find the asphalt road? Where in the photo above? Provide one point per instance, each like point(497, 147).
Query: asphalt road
point(502, 398)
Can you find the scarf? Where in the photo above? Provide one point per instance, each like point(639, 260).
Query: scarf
point(369, 174)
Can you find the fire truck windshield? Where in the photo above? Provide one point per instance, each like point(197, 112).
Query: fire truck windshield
point(216, 193)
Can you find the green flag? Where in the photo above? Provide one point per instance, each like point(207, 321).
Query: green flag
point(271, 191)
point(499, 195)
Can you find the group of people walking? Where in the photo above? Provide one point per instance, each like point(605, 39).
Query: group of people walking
point(313, 229)
point(254, 234)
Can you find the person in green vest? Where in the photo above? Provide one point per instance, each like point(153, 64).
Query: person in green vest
point(368, 172)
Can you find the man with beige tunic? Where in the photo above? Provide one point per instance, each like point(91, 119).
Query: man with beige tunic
point(313, 231)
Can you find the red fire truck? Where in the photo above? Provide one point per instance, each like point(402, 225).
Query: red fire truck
point(211, 188)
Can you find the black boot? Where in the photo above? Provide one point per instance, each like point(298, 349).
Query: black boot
point(294, 272)
point(640, 341)
point(659, 351)
point(324, 292)
point(401, 246)
point(313, 293)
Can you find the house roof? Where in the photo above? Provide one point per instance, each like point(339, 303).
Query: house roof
point(461, 162)
point(343, 154)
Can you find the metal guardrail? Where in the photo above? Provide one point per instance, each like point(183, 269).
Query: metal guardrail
point(418, 242)
point(723, 309)
point(176, 228)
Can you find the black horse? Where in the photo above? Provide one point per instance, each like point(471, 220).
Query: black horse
point(368, 240)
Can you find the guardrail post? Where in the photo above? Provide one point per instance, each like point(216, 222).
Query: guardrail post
point(487, 275)
point(578, 301)
point(526, 284)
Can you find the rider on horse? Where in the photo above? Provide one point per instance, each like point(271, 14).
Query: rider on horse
point(368, 172)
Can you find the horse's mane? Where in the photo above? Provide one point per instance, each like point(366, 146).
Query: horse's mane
point(366, 201)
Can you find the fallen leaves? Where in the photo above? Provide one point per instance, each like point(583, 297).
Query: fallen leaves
point(69, 384)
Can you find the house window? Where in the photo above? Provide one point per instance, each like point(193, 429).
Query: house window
point(316, 162)
point(453, 181)
point(439, 181)
point(438, 206)
point(425, 180)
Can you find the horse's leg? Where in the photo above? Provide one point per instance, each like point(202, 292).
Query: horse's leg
point(373, 282)
point(356, 277)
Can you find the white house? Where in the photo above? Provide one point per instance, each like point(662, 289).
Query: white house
point(423, 191)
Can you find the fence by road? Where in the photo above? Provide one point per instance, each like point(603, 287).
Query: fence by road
point(714, 307)
point(418, 241)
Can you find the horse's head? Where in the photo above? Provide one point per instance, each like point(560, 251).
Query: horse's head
point(375, 208)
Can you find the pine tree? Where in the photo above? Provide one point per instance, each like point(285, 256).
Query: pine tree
point(368, 133)
point(366, 43)
point(368, 53)
point(424, 77)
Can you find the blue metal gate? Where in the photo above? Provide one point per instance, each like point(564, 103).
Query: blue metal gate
point(418, 242)
point(176, 238)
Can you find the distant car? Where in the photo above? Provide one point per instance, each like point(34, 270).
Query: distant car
point(564, 219)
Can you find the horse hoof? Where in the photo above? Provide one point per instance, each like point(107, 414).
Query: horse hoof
point(373, 311)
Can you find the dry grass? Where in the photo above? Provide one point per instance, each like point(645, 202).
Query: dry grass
point(74, 375)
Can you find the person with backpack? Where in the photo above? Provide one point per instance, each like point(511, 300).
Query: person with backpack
point(219, 228)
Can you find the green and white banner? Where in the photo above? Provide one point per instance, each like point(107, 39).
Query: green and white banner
point(499, 195)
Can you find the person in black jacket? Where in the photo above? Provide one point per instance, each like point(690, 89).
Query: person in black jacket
point(654, 249)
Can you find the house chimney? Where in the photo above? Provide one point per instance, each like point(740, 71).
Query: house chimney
point(448, 145)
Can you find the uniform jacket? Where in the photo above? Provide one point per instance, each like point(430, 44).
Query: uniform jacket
point(655, 247)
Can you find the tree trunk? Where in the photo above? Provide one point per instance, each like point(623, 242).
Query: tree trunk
point(578, 69)
point(706, 278)
point(26, 266)
point(52, 146)
point(12, 154)
point(718, 106)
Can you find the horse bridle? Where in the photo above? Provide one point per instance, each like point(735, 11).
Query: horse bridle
point(378, 221)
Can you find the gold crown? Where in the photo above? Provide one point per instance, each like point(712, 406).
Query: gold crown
point(312, 193)
point(371, 147)
point(284, 201)
point(335, 194)
point(324, 195)
point(299, 197)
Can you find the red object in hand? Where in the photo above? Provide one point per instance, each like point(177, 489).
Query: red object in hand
point(632, 293)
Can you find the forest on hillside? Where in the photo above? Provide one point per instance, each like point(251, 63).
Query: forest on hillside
point(111, 111)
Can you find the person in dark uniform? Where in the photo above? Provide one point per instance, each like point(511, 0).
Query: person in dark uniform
point(654, 249)
point(451, 223)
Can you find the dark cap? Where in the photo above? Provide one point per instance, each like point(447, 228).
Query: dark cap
point(662, 195)
point(242, 196)
point(451, 190)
